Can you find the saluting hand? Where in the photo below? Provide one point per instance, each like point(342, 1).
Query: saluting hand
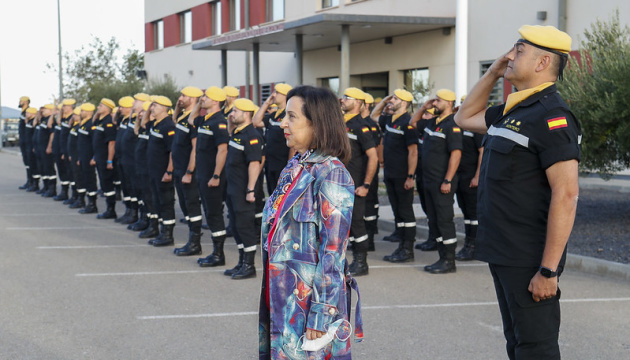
point(499, 66)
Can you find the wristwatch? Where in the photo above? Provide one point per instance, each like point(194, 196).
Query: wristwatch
point(215, 176)
point(411, 176)
point(189, 171)
point(446, 181)
point(366, 185)
point(169, 172)
point(250, 191)
point(547, 272)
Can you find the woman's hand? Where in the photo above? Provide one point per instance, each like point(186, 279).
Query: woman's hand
point(314, 334)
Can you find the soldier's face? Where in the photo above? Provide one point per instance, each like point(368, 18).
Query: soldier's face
point(522, 61)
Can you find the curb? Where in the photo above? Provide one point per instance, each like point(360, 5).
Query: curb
point(575, 262)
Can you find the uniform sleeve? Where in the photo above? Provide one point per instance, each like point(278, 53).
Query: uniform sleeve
point(559, 138)
point(382, 122)
point(454, 137)
point(336, 199)
point(365, 138)
point(253, 149)
point(169, 134)
point(411, 135)
point(478, 139)
point(493, 114)
point(110, 131)
point(193, 130)
point(221, 135)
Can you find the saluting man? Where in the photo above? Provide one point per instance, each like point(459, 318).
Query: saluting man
point(362, 167)
point(528, 187)
point(125, 146)
point(86, 155)
point(24, 104)
point(59, 146)
point(243, 168)
point(103, 143)
point(231, 94)
point(371, 199)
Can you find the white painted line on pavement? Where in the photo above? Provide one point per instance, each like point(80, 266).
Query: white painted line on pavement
point(62, 228)
point(86, 247)
point(382, 307)
point(421, 265)
point(43, 214)
point(140, 273)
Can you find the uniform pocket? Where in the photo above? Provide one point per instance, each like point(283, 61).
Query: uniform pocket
point(499, 152)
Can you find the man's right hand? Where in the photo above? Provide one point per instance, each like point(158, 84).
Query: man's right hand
point(498, 67)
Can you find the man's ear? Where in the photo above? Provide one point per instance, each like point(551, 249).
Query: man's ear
point(543, 62)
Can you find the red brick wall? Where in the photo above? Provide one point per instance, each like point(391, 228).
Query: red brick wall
point(201, 21)
point(148, 37)
point(225, 16)
point(171, 30)
point(257, 11)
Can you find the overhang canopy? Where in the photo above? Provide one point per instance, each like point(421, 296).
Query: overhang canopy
point(322, 31)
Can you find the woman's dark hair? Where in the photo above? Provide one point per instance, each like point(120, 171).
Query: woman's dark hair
point(321, 108)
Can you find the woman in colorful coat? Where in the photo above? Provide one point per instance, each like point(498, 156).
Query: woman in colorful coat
point(306, 287)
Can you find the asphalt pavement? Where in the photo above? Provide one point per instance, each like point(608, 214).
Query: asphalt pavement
point(74, 287)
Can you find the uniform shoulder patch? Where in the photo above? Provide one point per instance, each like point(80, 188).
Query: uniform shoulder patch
point(110, 125)
point(222, 126)
point(557, 123)
point(365, 129)
point(171, 133)
point(253, 141)
point(409, 127)
point(457, 130)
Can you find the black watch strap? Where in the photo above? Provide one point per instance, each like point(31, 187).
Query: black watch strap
point(366, 185)
point(189, 171)
point(547, 272)
point(447, 181)
point(215, 176)
point(411, 176)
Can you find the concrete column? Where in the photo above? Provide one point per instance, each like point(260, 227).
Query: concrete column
point(256, 63)
point(461, 48)
point(562, 15)
point(224, 78)
point(299, 47)
point(247, 74)
point(344, 77)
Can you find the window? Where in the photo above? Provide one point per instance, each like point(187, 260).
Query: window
point(185, 27)
point(158, 35)
point(275, 10)
point(329, 3)
point(216, 17)
point(496, 95)
point(235, 14)
point(265, 92)
point(331, 83)
point(417, 83)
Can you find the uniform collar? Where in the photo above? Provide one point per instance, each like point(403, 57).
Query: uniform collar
point(240, 128)
point(159, 121)
point(209, 115)
point(348, 117)
point(227, 109)
point(84, 121)
point(518, 97)
point(278, 113)
point(396, 116)
point(184, 114)
point(440, 119)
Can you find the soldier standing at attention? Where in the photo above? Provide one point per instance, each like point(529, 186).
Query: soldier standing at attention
point(44, 143)
point(86, 155)
point(103, 143)
point(60, 142)
point(72, 151)
point(371, 199)
point(31, 159)
point(125, 146)
point(531, 155)
point(24, 104)
point(142, 127)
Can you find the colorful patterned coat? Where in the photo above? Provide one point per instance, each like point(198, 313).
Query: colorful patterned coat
point(304, 264)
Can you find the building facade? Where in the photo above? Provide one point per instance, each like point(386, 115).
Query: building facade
point(376, 45)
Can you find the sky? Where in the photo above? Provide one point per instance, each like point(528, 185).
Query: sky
point(29, 40)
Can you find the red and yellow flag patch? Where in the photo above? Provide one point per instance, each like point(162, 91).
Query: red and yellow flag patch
point(557, 123)
point(222, 126)
point(110, 125)
point(365, 129)
point(171, 133)
point(457, 130)
point(253, 141)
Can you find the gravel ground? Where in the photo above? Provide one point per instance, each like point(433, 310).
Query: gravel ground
point(602, 225)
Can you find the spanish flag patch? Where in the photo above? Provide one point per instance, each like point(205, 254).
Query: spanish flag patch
point(409, 127)
point(222, 126)
point(171, 133)
point(456, 129)
point(253, 141)
point(365, 129)
point(110, 125)
point(557, 123)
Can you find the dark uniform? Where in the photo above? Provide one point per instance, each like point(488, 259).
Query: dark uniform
point(513, 206)
point(86, 153)
point(143, 185)
point(47, 161)
point(161, 136)
point(466, 195)
point(23, 149)
point(121, 128)
point(371, 200)
point(277, 149)
point(127, 166)
point(188, 194)
point(104, 132)
point(59, 149)
point(245, 146)
point(31, 156)
point(211, 133)
point(440, 139)
point(398, 136)
point(72, 151)
point(361, 140)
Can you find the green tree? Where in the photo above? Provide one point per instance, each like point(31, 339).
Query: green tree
point(166, 87)
point(597, 89)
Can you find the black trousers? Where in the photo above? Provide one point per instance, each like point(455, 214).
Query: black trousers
point(242, 216)
point(33, 164)
point(77, 176)
point(272, 177)
point(48, 166)
point(106, 179)
point(440, 212)
point(212, 201)
point(420, 185)
point(62, 169)
point(531, 328)
point(163, 200)
point(188, 195)
point(371, 207)
point(24, 150)
point(142, 184)
point(401, 201)
point(467, 198)
point(127, 173)
point(89, 176)
point(358, 233)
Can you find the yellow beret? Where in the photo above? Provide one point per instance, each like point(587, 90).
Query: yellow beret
point(231, 91)
point(126, 102)
point(31, 110)
point(431, 111)
point(69, 102)
point(369, 99)
point(355, 93)
point(25, 98)
point(192, 91)
point(49, 106)
point(283, 88)
point(378, 99)
point(142, 97)
point(115, 110)
point(108, 102)
point(403, 95)
point(463, 98)
point(163, 100)
point(145, 105)
point(170, 111)
point(88, 107)
point(59, 106)
point(546, 37)
point(446, 94)
point(77, 111)
point(244, 104)
point(215, 93)
point(152, 97)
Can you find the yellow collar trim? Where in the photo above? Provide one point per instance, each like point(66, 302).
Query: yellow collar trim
point(84, 121)
point(278, 112)
point(227, 109)
point(209, 115)
point(516, 98)
point(240, 128)
point(183, 115)
point(347, 117)
point(395, 117)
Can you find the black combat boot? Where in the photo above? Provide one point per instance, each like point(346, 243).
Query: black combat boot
point(142, 223)
point(446, 263)
point(192, 247)
point(79, 202)
point(51, 189)
point(34, 186)
point(405, 254)
point(63, 194)
point(359, 266)
point(234, 270)
point(429, 245)
point(133, 215)
point(395, 253)
point(124, 217)
point(152, 230)
point(167, 237)
point(217, 258)
point(247, 270)
point(110, 213)
point(72, 198)
point(468, 251)
point(90, 208)
point(396, 236)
